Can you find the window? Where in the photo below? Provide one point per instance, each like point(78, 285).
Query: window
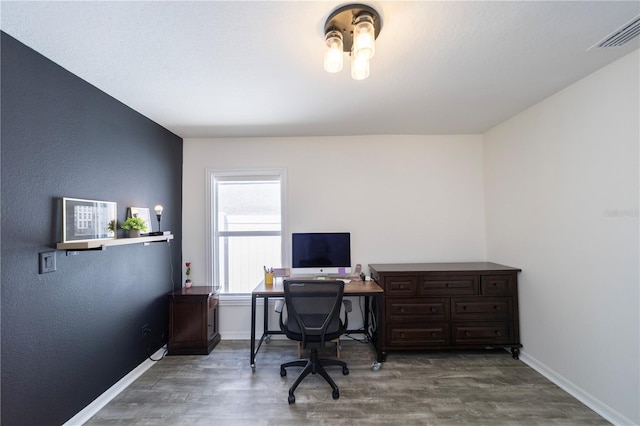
point(246, 217)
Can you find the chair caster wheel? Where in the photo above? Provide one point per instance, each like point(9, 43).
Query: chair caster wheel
point(345, 371)
point(253, 368)
point(376, 366)
point(336, 394)
point(283, 372)
point(292, 399)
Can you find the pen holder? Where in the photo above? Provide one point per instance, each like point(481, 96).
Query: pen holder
point(268, 278)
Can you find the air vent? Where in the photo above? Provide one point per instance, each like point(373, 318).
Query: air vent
point(622, 35)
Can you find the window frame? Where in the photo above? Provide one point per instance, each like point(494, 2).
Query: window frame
point(212, 177)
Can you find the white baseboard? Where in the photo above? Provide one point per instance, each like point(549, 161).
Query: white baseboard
point(92, 409)
point(586, 398)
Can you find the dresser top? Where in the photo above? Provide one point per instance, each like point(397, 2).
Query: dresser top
point(441, 267)
point(194, 291)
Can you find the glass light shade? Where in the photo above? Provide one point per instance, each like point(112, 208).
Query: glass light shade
point(158, 209)
point(333, 51)
point(359, 67)
point(364, 37)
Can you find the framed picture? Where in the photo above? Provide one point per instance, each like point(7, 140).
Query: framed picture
point(88, 220)
point(143, 213)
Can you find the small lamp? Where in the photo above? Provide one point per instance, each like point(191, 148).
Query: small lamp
point(158, 209)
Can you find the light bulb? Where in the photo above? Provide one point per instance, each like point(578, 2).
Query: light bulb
point(158, 209)
point(359, 67)
point(333, 52)
point(364, 37)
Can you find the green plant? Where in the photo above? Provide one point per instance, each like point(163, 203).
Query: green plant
point(112, 226)
point(134, 223)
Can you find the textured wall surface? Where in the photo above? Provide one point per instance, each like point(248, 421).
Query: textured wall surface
point(67, 336)
point(562, 194)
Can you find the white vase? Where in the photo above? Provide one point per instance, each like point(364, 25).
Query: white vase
point(134, 233)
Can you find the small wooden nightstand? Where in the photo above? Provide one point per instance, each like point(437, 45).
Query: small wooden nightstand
point(193, 321)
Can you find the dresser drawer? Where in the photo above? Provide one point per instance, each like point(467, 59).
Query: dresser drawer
point(417, 309)
point(481, 308)
point(416, 335)
point(400, 286)
point(485, 333)
point(449, 285)
point(498, 285)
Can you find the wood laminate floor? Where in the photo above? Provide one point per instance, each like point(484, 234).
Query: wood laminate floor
point(412, 388)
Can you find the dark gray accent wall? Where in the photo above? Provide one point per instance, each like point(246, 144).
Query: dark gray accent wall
point(67, 336)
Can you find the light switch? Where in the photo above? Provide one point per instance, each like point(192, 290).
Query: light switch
point(47, 262)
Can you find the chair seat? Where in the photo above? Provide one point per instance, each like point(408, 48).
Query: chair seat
point(334, 330)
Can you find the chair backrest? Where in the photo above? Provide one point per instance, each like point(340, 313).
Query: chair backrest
point(314, 306)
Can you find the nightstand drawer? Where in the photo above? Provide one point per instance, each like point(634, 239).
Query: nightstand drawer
point(481, 308)
point(409, 335)
point(483, 333)
point(417, 309)
point(450, 285)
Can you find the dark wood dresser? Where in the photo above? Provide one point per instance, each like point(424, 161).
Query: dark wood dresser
point(193, 321)
point(448, 306)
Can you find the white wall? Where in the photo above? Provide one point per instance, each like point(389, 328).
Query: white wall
point(403, 198)
point(562, 191)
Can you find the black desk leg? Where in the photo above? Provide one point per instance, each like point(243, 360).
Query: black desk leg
point(378, 302)
point(253, 331)
point(372, 328)
point(367, 332)
point(265, 320)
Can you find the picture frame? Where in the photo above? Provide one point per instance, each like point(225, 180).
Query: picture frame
point(84, 220)
point(141, 212)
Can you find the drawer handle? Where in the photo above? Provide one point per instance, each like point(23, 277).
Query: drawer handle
point(401, 286)
point(446, 285)
point(498, 333)
point(402, 310)
point(401, 335)
point(433, 310)
point(464, 307)
point(497, 308)
point(495, 284)
point(433, 334)
point(466, 333)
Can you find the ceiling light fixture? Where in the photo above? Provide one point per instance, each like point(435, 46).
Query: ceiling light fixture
point(352, 29)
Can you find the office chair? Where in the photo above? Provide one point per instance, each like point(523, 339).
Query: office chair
point(313, 317)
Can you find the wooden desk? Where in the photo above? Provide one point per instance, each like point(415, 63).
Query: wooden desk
point(371, 291)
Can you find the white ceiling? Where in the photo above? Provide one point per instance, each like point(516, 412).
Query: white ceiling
point(239, 68)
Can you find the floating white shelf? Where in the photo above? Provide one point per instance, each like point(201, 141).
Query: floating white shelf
point(102, 244)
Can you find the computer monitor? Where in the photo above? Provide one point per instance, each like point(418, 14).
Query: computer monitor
point(321, 253)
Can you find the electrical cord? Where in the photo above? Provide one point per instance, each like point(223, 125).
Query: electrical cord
point(165, 345)
point(161, 356)
point(362, 330)
point(173, 284)
point(349, 336)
